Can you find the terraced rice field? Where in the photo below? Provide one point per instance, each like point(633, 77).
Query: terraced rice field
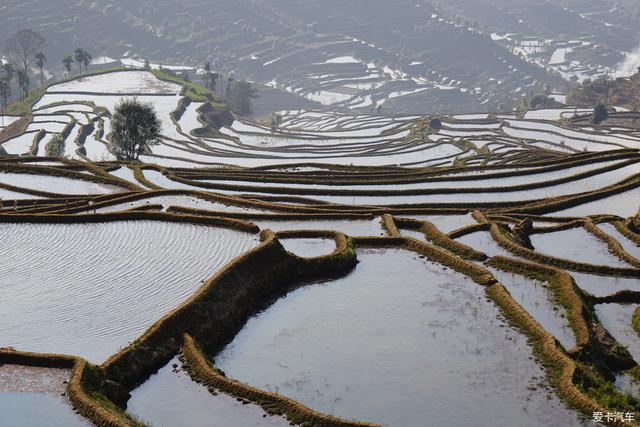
point(340, 269)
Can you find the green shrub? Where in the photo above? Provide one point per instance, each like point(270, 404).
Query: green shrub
point(55, 147)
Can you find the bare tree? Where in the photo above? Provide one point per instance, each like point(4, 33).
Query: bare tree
point(23, 45)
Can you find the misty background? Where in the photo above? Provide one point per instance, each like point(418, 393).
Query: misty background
point(417, 56)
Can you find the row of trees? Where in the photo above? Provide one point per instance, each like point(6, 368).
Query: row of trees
point(23, 49)
point(239, 94)
point(24, 52)
point(81, 57)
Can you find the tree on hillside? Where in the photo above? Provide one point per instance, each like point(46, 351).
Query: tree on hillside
point(9, 72)
point(600, 114)
point(67, 61)
point(82, 58)
point(228, 89)
point(23, 45)
point(210, 79)
point(134, 128)
point(86, 60)
point(40, 61)
point(214, 81)
point(23, 83)
point(239, 96)
point(4, 95)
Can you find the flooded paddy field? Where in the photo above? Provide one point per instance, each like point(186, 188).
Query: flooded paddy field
point(387, 339)
point(36, 397)
point(222, 250)
point(85, 290)
point(157, 399)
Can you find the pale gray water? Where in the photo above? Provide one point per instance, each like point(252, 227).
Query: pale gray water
point(89, 289)
point(617, 319)
point(29, 409)
point(601, 286)
point(483, 242)
point(400, 341)
point(535, 297)
point(623, 204)
point(309, 247)
point(369, 227)
point(627, 245)
point(34, 396)
point(171, 398)
point(578, 245)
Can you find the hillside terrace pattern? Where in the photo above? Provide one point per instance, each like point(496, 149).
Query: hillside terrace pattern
point(371, 182)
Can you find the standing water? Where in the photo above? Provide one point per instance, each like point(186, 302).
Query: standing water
point(89, 289)
point(428, 349)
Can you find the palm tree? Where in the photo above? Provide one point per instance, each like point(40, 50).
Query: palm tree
point(79, 57)
point(86, 60)
point(40, 61)
point(67, 61)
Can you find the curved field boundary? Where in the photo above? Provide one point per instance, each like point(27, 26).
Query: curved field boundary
point(614, 246)
point(624, 228)
point(80, 399)
point(123, 94)
point(362, 175)
point(200, 368)
point(405, 192)
point(36, 141)
point(469, 229)
point(551, 205)
point(53, 171)
point(479, 274)
point(227, 290)
point(563, 368)
point(515, 248)
point(390, 226)
point(562, 286)
point(15, 129)
point(128, 216)
point(217, 311)
point(445, 241)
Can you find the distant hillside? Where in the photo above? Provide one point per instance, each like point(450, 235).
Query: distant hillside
point(630, 7)
point(621, 91)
